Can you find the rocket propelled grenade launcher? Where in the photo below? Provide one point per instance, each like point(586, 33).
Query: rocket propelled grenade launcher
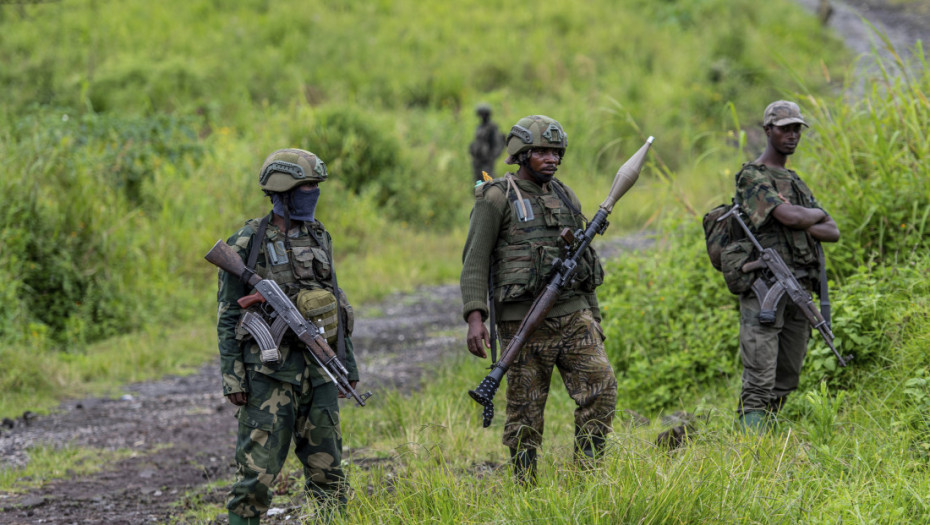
point(564, 271)
point(223, 256)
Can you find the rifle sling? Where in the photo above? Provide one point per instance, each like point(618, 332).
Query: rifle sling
point(824, 286)
point(556, 187)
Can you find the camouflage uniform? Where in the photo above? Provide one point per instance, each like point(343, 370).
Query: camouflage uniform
point(773, 354)
point(575, 344)
point(570, 338)
point(293, 399)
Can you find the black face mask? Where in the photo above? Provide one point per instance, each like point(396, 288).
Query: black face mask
point(302, 204)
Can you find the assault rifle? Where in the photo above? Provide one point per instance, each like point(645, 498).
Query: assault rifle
point(286, 317)
point(777, 280)
point(564, 272)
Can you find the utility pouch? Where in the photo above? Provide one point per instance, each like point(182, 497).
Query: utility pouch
point(732, 259)
point(543, 257)
point(348, 315)
point(319, 307)
point(590, 272)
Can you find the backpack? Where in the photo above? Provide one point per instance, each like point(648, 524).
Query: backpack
point(718, 235)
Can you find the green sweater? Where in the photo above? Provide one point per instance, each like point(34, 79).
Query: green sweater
point(492, 214)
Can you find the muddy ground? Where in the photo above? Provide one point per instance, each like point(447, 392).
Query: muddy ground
point(180, 430)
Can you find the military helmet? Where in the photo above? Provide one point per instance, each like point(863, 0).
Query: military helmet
point(483, 109)
point(286, 168)
point(535, 131)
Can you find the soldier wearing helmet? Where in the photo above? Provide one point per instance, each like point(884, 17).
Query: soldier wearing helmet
point(783, 214)
point(515, 225)
point(292, 398)
point(488, 144)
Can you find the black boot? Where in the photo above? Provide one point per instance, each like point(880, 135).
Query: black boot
point(588, 448)
point(524, 465)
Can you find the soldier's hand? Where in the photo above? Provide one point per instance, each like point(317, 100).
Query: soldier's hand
point(238, 398)
point(478, 337)
point(352, 384)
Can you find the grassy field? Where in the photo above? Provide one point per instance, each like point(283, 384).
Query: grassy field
point(132, 133)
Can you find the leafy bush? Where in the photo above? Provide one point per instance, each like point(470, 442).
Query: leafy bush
point(70, 218)
point(671, 325)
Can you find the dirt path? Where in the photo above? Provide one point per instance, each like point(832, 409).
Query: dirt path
point(181, 431)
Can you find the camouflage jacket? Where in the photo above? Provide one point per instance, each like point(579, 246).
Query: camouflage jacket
point(306, 266)
point(757, 191)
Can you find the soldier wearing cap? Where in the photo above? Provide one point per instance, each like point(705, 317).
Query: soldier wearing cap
point(290, 399)
point(515, 226)
point(782, 213)
point(487, 146)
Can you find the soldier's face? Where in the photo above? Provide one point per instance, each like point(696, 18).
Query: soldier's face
point(784, 139)
point(545, 160)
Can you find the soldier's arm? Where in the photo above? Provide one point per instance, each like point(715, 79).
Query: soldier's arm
point(816, 221)
point(757, 197)
point(484, 228)
point(232, 364)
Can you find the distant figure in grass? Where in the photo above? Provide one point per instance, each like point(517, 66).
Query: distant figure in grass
point(292, 400)
point(488, 144)
point(824, 11)
point(514, 233)
point(783, 214)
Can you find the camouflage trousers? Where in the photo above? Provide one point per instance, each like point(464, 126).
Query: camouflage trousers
point(276, 413)
point(575, 344)
point(772, 354)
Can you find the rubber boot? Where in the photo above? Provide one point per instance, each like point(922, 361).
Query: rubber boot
point(774, 407)
point(588, 448)
point(524, 465)
point(754, 422)
point(235, 519)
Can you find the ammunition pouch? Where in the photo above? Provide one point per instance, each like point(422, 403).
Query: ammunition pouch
point(319, 307)
point(524, 271)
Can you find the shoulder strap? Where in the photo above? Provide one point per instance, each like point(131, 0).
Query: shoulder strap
point(560, 192)
point(257, 242)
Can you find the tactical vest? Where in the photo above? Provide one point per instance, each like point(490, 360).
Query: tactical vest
point(526, 249)
point(307, 266)
point(796, 247)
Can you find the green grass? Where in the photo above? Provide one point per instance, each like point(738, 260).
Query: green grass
point(47, 464)
point(425, 458)
point(38, 381)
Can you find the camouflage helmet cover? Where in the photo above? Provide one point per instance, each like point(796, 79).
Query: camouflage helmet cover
point(286, 168)
point(535, 131)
